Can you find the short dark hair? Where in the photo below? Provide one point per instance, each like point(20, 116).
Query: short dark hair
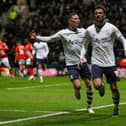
point(72, 14)
point(100, 7)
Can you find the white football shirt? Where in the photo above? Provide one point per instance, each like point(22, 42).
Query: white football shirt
point(41, 50)
point(102, 44)
point(72, 43)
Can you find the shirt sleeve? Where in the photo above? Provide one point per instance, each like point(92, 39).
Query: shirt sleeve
point(120, 37)
point(82, 52)
point(51, 38)
point(86, 42)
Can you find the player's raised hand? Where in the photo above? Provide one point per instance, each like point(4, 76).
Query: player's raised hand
point(33, 35)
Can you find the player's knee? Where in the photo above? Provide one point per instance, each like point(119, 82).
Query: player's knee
point(98, 87)
point(78, 87)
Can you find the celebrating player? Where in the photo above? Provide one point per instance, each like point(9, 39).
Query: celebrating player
point(101, 35)
point(72, 39)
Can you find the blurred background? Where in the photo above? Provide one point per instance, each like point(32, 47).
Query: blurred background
point(19, 17)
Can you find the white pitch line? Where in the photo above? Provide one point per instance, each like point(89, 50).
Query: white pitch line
point(28, 87)
point(54, 114)
point(99, 107)
point(17, 110)
point(34, 117)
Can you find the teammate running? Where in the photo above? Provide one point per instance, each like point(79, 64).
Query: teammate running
point(102, 35)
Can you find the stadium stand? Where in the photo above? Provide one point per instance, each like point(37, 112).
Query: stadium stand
point(46, 17)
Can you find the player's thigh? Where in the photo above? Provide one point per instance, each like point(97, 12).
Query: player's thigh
point(84, 71)
point(110, 74)
point(97, 75)
point(73, 72)
point(97, 72)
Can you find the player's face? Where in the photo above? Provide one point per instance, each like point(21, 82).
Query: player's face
point(100, 15)
point(74, 21)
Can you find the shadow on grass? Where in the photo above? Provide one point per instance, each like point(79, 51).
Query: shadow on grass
point(74, 119)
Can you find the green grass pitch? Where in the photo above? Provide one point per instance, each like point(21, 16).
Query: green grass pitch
point(52, 103)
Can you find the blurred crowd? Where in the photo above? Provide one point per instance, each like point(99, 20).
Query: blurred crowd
point(19, 17)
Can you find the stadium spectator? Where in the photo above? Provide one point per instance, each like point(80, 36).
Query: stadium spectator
point(43, 14)
point(102, 35)
point(21, 10)
point(41, 51)
point(72, 40)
